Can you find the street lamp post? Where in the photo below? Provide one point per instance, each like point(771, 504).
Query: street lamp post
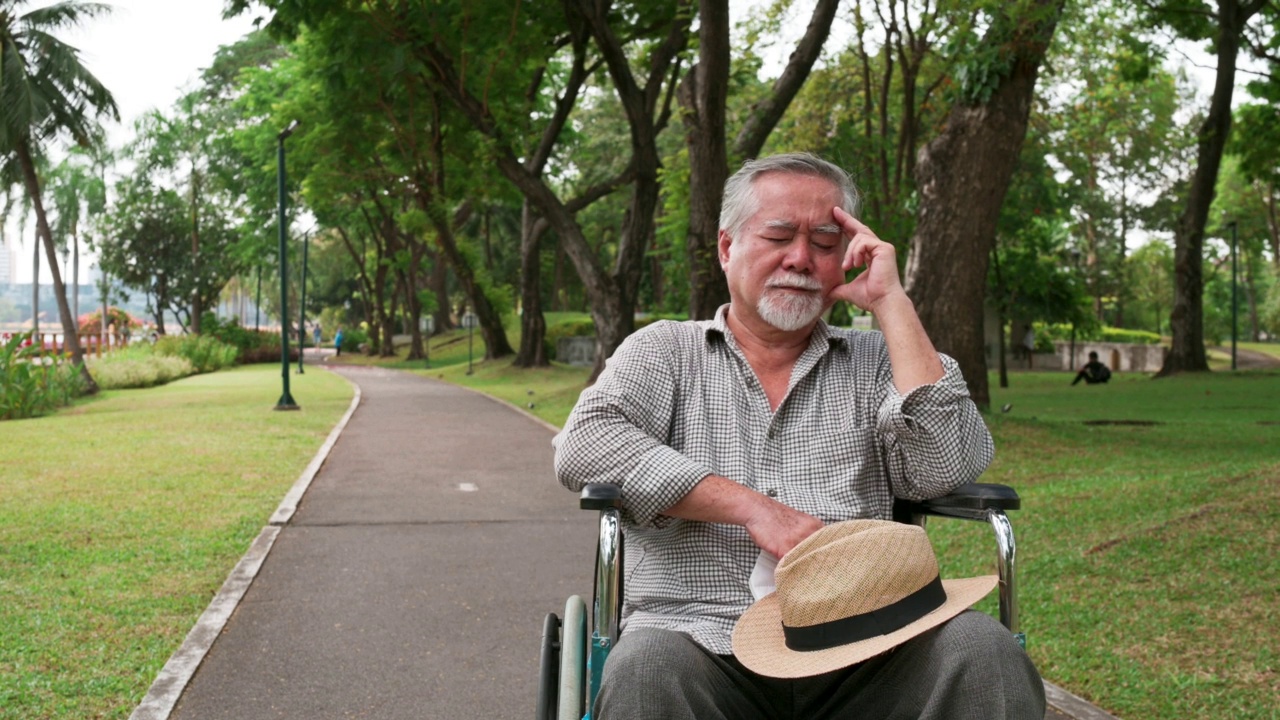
point(1233, 294)
point(286, 400)
point(302, 305)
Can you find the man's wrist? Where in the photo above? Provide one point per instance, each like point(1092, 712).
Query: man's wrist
point(891, 304)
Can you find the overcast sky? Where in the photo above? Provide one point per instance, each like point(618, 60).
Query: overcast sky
point(146, 52)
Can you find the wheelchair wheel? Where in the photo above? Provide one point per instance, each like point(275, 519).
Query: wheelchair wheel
point(549, 668)
point(573, 660)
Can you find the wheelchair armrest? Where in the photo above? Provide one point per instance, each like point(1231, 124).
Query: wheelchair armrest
point(601, 496)
point(970, 500)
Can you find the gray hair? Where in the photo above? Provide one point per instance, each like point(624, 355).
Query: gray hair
point(739, 202)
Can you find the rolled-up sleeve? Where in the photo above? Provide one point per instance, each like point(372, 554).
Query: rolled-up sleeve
point(619, 432)
point(935, 439)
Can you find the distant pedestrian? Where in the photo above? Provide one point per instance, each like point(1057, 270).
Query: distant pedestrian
point(316, 333)
point(1029, 345)
point(337, 341)
point(1093, 371)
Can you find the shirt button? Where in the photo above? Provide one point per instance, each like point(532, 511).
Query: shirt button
point(772, 492)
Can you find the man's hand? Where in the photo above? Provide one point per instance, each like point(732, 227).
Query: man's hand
point(777, 528)
point(771, 525)
point(880, 280)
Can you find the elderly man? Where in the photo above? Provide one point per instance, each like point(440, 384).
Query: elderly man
point(734, 439)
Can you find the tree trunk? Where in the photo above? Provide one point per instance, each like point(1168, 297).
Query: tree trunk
point(70, 337)
point(962, 176)
point(35, 286)
point(409, 279)
point(533, 325)
point(443, 320)
point(75, 278)
point(1187, 320)
point(1273, 226)
point(703, 96)
point(197, 302)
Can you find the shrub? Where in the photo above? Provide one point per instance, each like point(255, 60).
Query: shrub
point(1046, 333)
point(584, 327)
point(352, 339)
point(206, 353)
point(32, 383)
point(138, 366)
point(1124, 335)
point(255, 346)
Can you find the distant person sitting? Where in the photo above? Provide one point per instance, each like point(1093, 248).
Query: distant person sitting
point(1093, 371)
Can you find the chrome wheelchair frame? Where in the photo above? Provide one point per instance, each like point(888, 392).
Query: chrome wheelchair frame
point(572, 661)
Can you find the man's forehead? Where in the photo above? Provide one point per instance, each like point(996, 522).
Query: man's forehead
point(785, 224)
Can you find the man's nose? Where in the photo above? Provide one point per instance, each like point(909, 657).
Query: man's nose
point(797, 257)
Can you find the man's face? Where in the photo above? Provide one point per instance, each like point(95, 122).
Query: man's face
point(786, 258)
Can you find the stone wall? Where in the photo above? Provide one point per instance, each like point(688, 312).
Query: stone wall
point(579, 351)
point(1120, 357)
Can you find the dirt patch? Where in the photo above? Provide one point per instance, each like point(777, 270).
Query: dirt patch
point(1104, 546)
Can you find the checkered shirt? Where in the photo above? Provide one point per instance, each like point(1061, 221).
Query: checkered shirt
point(678, 401)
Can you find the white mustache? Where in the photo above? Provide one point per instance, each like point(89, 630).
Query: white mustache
point(794, 281)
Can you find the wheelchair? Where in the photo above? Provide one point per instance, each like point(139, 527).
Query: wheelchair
point(572, 661)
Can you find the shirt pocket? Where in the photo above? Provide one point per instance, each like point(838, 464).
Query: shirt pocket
point(846, 477)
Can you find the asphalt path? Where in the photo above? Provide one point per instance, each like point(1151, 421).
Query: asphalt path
point(414, 577)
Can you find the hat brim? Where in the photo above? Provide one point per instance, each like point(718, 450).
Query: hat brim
point(759, 644)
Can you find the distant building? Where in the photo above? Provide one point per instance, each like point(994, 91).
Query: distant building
point(8, 264)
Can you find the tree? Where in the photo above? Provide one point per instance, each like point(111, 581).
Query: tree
point(643, 92)
point(1116, 137)
point(78, 193)
point(704, 96)
point(1245, 208)
point(1256, 143)
point(962, 176)
point(148, 248)
point(46, 92)
point(1151, 279)
point(1223, 23)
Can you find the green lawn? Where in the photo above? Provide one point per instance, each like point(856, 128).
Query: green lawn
point(1149, 583)
point(122, 515)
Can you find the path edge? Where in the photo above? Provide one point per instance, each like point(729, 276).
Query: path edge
point(171, 682)
point(1075, 707)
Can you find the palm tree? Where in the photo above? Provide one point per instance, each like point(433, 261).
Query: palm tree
point(45, 92)
point(79, 194)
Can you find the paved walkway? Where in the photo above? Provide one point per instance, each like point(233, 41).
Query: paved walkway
point(413, 578)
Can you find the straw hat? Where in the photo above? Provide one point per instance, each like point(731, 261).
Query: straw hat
point(847, 593)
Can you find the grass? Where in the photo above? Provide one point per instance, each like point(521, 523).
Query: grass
point(1271, 348)
point(1146, 551)
point(122, 516)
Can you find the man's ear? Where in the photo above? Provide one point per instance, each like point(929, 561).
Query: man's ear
point(723, 241)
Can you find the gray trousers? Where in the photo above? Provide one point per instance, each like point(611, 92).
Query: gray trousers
point(970, 667)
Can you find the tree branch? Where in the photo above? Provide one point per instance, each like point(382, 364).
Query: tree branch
point(766, 114)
